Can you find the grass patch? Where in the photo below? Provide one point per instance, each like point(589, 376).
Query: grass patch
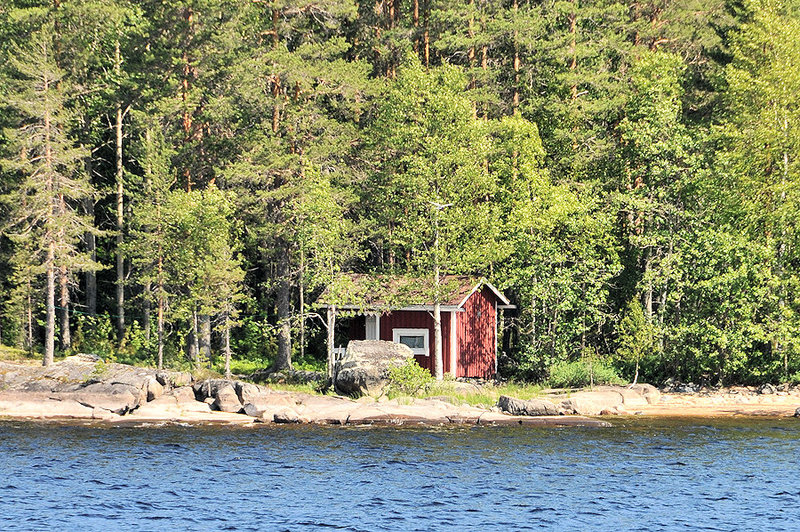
point(486, 395)
point(12, 354)
point(577, 374)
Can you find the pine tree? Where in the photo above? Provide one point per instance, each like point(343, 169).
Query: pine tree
point(45, 221)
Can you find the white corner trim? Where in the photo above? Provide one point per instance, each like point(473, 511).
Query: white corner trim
point(453, 343)
point(491, 287)
point(373, 331)
point(425, 351)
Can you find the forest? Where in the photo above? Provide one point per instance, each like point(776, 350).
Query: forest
point(180, 179)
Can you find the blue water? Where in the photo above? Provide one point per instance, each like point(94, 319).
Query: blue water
point(654, 474)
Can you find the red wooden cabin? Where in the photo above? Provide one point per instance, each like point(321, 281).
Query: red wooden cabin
point(469, 311)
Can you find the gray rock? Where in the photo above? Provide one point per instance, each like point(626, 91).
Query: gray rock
point(768, 389)
point(184, 394)
point(365, 367)
point(226, 400)
point(180, 378)
point(117, 397)
point(648, 391)
point(247, 392)
point(253, 410)
point(287, 415)
point(591, 403)
point(533, 407)
point(154, 389)
point(209, 388)
point(686, 388)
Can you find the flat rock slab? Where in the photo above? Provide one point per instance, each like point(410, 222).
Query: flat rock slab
point(44, 406)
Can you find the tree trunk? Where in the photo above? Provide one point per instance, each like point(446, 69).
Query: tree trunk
point(438, 360)
point(90, 277)
point(276, 81)
point(515, 98)
point(148, 295)
point(188, 15)
point(30, 320)
point(66, 338)
point(331, 340)
point(484, 64)
point(415, 21)
point(302, 306)
point(426, 37)
point(160, 317)
point(194, 351)
point(205, 337)
point(573, 30)
point(227, 347)
point(50, 329)
point(284, 358)
point(120, 212)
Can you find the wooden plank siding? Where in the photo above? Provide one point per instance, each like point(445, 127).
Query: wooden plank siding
point(476, 333)
point(413, 319)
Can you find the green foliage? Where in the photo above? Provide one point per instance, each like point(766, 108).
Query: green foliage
point(408, 379)
point(94, 335)
point(577, 374)
point(592, 153)
point(635, 334)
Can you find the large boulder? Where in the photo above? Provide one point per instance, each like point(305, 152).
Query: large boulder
point(533, 407)
point(592, 403)
point(209, 388)
point(117, 397)
point(174, 379)
point(650, 393)
point(364, 369)
point(154, 389)
point(249, 393)
point(256, 405)
point(226, 400)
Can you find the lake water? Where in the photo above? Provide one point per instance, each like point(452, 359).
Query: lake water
point(729, 474)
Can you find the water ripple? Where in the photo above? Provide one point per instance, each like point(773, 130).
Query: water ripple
point(659, 475)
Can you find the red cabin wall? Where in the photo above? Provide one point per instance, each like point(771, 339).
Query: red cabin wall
point(475, 331)
point(413, 319)
point(476, 336)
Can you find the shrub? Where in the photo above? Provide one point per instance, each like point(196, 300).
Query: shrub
point(576, 374)
point(409, 378)
point(95, 335)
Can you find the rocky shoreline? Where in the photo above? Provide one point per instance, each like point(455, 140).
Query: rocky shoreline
point(84, 388)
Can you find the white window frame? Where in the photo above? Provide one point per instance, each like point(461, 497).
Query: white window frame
point(424, 351)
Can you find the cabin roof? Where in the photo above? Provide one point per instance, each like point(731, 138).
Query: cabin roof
point(386, 292)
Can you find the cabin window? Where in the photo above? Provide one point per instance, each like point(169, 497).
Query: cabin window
point(416, 339)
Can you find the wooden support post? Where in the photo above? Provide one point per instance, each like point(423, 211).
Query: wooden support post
point(331, 341)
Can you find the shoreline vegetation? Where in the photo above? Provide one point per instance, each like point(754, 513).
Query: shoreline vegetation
point(181, 181)
point(84, 388)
